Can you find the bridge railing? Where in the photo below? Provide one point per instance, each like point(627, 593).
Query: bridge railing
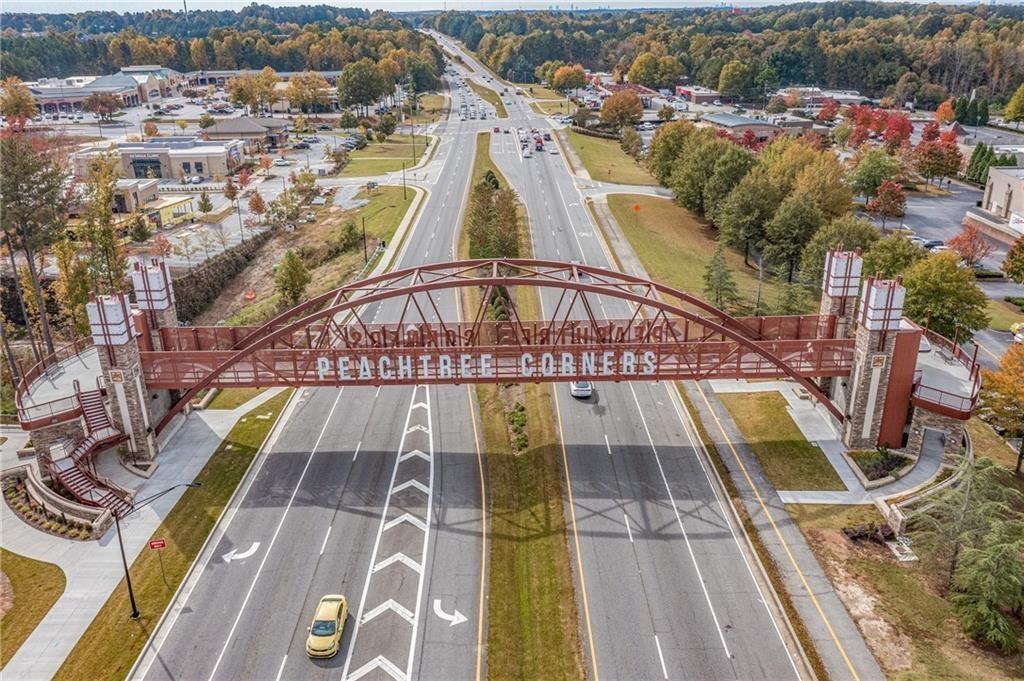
point(954, 404)
point(60, 409)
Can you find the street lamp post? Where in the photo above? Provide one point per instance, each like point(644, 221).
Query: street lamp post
point(124, 560)
point(366, 257)
point(404, 195)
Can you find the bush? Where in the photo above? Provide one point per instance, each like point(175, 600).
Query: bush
point(1016, 300)
point(879, 463)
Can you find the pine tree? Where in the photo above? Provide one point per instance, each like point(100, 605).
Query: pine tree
point(960, 110)
point(972, 165)
point(971, 114)
point(792, 300)
point(983, 112)
point(291, 279)
point(719, 286)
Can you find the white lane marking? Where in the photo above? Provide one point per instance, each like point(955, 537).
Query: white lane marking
point(661, 657)
point(379, 661)
point(453, 619)
point(273, 538)
point(234, 554)
point(391, 605)
point(280, 669)
point(628, 530)
point(607, 444)
point(406, 518)
point(679, 519)
point(324, 545)
point(356, 453)
point(688, 425)
point(399, 558)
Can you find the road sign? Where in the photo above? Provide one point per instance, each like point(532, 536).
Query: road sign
point(158, 544)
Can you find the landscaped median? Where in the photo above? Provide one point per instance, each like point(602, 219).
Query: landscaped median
point(110, 645)
point(31, 589)
point(533, 625)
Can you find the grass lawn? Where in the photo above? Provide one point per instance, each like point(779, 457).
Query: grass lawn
point(110, 645)
point(491, 97)
point(538, 91)
point(548, 107)
point(607, 162)
point(909, 626)
point(1004, 314)
point(377, 158)
point(675, 246)
point(431, 106)
point(385, 210)
point(789, 461)
point(36, 586)
point(231, 398)
point(988, 444)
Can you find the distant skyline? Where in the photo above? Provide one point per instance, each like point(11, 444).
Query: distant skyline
point(59, 6)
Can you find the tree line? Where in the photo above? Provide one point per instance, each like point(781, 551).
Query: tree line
point(912, 52)
point(283, 48)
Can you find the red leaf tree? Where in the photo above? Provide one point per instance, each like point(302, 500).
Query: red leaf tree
point(970, 245)
point(889, 201)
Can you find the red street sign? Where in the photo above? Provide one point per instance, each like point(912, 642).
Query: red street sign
point(158, 544)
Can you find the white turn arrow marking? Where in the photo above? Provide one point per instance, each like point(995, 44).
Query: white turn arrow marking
point(233, 554)
point(456, 618)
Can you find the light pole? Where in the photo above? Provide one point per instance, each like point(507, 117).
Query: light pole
point(124, 560)
point(404, 195)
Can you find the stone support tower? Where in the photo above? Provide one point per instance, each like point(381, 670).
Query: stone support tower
point(839, 287)
point(114, 331)
point(878, 321)
point(154, 294)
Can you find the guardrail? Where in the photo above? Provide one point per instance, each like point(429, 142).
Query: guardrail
point(57, 410)
point(944, 402)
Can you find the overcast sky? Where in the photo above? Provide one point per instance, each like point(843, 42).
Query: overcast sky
point(395, 5)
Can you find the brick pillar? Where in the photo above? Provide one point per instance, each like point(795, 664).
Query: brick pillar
point(839, 287)
point(114, 334)
point(878, 320)
point(45, 437)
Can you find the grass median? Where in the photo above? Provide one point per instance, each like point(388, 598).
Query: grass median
point(607, 162)
point(377, 158)
point(109, 646)
point(491, 97)
point(532, 620)
point(34, 587)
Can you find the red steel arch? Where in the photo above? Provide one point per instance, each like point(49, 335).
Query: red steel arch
point(320, 314)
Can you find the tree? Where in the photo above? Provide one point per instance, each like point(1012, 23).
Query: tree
point(890, 257)
point(742, 216)
point(842, 133)
point(205, 205)
point(72, 286)
point(582, 117)
point(244, 178)
point(776, 105)
point(736, 78)
point(945, 296)
point(645, 71)
point(1013, 263)
point(291, 279)
point(729, 168)
point(789, 231)
point(1014, 111)
point(265, 164)
point(569, 78)
point(138, 228)
point(206, 121)
point(16, 102)
point(631, 143)
point(874, 168)
point(691, 171)
point(930, 132)
point(621, 109)
point(989, 584)
point(162, 246)
point(848, 232)
point(666, 146)
point(719, 286)
point(944, 114)
point(1004, 396)
point(33, 198)
point(793, 299)
point(898, 129)
point(829, 109)
point(824, 179)
point(307, 91)
point(182, 125)
point(108, 261)
point(360, 83)
point(970, 245)
point(149, 129)
point(348, 120)
point(666, 113)
point(257, 204)
point(889, 201)
point(386, 127)
point(103, 104)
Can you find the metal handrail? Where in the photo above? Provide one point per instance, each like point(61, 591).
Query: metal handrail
point(57, 406)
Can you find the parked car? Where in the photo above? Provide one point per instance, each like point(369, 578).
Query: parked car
point(300, 145)
point(282, 162)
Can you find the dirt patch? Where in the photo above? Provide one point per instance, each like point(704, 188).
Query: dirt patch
point(6, 594)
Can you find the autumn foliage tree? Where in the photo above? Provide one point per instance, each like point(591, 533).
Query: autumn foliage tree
point(889, 201)
point(621, 109)
point(970, 245)
point(944, 114)
point(1013, 263)
point(829, 109)
point(1004, 395)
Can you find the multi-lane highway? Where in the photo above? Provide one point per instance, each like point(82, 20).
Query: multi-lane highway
point(378, 494)
point(666, 589)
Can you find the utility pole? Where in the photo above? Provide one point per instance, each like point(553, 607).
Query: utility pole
point(404, 195)
point(366, 257)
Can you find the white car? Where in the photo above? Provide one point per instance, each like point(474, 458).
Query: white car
point(527, 153)
point(581, 389)
point(553, 150)
point(282, 162)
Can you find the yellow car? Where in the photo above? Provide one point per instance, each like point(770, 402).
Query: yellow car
point(328, 624)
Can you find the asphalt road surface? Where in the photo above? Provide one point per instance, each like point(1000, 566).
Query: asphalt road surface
point(666, 591)
point(375, 494)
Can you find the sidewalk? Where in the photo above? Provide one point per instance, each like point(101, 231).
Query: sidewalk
point(818, 430)
point(836, 637)
point(93, 569)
